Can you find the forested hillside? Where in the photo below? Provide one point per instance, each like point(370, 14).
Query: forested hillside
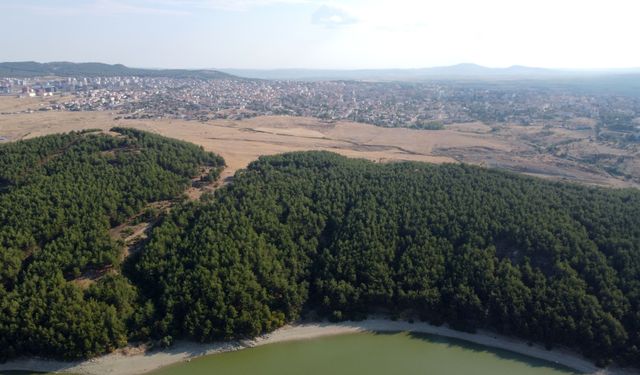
point(550, 262)
point(305, 233)
point(59, 196)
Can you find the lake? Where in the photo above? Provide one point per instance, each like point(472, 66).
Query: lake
point(368, 353)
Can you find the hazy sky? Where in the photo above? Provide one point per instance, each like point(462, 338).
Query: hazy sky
point(323, 34)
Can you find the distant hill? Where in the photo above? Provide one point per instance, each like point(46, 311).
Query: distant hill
point(68, 69)
point(459, 71)
point(612, 81)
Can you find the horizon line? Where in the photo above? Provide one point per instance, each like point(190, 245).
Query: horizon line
point(470, 64)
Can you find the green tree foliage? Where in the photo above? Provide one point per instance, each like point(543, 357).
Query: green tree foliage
point(550, 262)
point(59, 196)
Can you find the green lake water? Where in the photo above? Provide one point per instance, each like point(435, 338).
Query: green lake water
point(370, 354)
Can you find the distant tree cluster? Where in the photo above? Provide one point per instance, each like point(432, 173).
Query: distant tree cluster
point(59, 196)
point(428, 125)
point(549, 262)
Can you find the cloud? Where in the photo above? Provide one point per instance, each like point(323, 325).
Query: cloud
point(330, 16)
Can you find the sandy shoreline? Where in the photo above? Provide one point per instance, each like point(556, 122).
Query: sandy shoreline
point(118, 363)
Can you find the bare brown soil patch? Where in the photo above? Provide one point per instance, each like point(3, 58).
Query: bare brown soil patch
point(559, 153)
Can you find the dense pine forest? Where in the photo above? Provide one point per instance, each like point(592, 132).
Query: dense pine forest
point(549, 262)
point(305, 234)
point(59, 196)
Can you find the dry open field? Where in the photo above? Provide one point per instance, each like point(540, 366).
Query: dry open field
point(241, 142)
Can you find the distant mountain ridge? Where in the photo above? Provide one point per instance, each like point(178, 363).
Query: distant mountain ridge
point(616, 81)
point(67, 69)
point(459, 71)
